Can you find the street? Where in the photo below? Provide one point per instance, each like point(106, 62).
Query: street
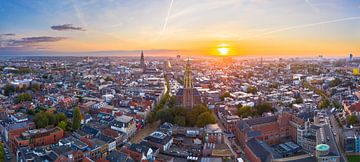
point(226, 139)
point(336, 130)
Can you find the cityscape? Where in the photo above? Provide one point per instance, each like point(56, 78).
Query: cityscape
point(179, 81)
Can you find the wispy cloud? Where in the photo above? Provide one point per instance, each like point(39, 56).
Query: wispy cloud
point(7, 34)
point(67, 27)
point(315, 9)
point(29, 42)
point(307, 25)
point(79, 13)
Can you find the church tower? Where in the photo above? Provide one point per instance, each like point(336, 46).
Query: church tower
point(188, 96)
point(142, 61)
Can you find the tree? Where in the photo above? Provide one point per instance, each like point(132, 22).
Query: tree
point(299, 100)
point(24, 97)
point(336, 104)
point(76, 122)
point(180, 120)
point(324, 103)
point(2, 152)
point(35, 87)
point(60, 117)
point(198, 109)
point(165, 116)
point(251, 89)
point(192, 116)
point(246, 111)
point(172, 102)
point(351, 119)
point(8, 89)
point(41, 120)
point(109, 78)
point(62, 125)
point(152, 117)
point(24, 70)
point(263, 107)
point(191, 119)
point(223, 96)
point(30, 112)
point(335, 82)
point(51, 118)
point(205, 118)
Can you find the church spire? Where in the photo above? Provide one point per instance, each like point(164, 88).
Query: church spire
point(142, 60)
point(188, 75)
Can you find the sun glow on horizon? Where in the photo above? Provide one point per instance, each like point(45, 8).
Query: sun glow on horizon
point(223, 49)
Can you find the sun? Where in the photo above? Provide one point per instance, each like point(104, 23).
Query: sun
point(223, 49)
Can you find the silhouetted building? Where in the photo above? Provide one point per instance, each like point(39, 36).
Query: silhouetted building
point(142, 61)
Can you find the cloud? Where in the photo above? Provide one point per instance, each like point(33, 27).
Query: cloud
point(66, 27)
point(29, 42)
point(295, 27)
point(35, 40)
point(7, 34)
point(316, 10)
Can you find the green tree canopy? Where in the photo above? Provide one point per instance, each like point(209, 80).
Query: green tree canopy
point(251, 89)
point(246, 111)
point(51, 118)
point(263, 107)
point(351, 119)
point(335, 82)
point(180, 120)
point(8, 89)
point(324, 103)
point(35, 87)
point(76, 122)
point(2, 152)
point(205, 118)
point(24, 97)
point(60, 117)
point(41, 120)
point(44, 118)
point(258, 110)
point(63, 125)
point(299, 100)
point(223, 96)
point(172, 102)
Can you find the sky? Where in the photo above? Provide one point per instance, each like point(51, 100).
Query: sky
point(180, 27)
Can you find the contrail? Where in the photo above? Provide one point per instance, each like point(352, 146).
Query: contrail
point(167, 16)
point(312, 6)
point(78, 13)
point(308, 25)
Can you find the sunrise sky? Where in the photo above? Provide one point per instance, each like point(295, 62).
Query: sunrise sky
point(186, 27)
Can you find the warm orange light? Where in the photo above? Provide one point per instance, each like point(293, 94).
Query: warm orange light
point(223, 49)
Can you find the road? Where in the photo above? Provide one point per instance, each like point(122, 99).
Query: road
point(226, 139)
point(13, 157)
point(146, 131)
point(337, 130)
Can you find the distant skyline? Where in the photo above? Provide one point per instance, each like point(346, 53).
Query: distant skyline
point(185, 27)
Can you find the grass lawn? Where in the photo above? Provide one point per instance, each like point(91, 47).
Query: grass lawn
point(353, 158)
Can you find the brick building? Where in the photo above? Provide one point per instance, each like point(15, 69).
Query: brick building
point(270, 129)
point(36, 137)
